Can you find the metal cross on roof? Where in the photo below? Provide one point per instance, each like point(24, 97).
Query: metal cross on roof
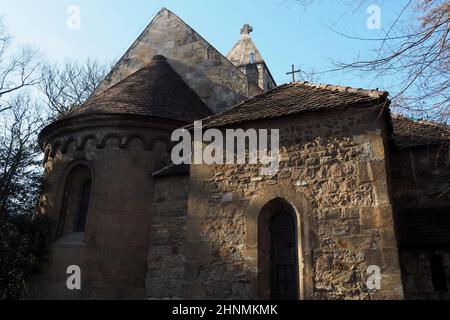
point(293, 72)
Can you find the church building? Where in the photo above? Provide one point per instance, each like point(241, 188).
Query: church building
point(360, 193)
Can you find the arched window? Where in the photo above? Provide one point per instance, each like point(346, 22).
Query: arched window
point(77, 196)
point(252, 57)
point(278, 251)
point(85, 194)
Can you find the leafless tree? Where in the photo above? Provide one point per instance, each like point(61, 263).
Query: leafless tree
point(17, 70)
point(19, 164)
point(415, 51)
point(68, 86)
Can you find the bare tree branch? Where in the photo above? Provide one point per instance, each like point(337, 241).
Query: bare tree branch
point(415, 51)
point(68, 86)
point(17, 70)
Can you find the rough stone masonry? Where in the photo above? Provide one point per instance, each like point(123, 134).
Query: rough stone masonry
point(356, 187)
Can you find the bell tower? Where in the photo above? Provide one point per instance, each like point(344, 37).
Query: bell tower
point(245, 56)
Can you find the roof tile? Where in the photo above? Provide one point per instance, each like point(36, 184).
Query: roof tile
point(408, 133)
point(155, 90)
point(295, 98)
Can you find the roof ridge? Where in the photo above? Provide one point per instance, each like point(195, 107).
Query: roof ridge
point(243, 102)
point(375, 93)
point(370, 92)
point(296, 97)
point(261, 95)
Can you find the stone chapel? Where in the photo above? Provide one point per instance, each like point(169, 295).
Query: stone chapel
point(357, 186)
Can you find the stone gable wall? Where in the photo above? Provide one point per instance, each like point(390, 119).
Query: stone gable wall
point(215, 79)
point(333, 172)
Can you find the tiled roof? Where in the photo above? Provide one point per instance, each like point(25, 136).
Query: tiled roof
point(155, 90)
point(295, 98)
point(409, 133)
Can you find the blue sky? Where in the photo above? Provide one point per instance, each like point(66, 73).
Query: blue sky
point(284, 33)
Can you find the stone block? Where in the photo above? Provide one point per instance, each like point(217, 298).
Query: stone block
point(363, 172)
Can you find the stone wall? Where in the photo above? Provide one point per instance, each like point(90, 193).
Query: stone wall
point(215, 79)
point(262, 77)
point(165, 269)
point(112, 252)
point(332, 172)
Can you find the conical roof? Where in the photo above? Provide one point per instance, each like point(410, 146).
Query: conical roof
point(244, 51)
point(154, 90)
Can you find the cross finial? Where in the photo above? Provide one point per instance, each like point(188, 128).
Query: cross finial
point(293, 72)
point(246, 29)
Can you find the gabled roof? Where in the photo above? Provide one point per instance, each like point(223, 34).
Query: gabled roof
point(295, 98)
point(155, 90)
point(409, 133)
point(200, 65)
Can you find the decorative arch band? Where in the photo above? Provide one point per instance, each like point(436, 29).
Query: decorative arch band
point(122, 141)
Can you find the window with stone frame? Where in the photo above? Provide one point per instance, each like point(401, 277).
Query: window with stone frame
point(278, 249)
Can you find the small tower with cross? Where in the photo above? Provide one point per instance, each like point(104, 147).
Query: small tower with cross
point(247, 58)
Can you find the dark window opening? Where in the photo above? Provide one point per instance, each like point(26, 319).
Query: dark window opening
point(83, 205)
point(438, 273)
point(75, 205)
point(283, 258)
